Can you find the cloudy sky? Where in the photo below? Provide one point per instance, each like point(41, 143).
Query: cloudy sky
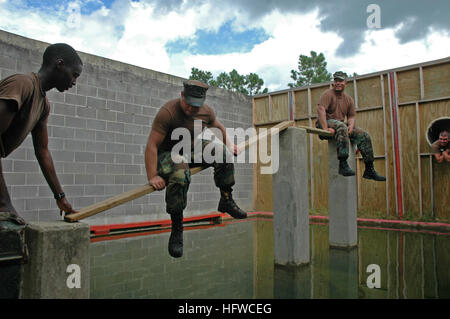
point(260, 36)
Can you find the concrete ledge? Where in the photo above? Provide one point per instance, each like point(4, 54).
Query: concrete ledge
point(53, 247)
point(342, 200)
point(290, 200)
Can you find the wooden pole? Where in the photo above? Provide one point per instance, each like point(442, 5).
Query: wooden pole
point(147, 189)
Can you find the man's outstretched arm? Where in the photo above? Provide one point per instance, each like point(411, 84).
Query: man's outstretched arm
point(151, 160)
point(40, 143)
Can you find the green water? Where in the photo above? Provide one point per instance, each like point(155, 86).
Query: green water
point(235, 260)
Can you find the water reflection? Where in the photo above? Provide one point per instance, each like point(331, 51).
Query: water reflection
point(235, 260)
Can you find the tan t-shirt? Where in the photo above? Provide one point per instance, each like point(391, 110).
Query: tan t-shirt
point(337, 106)
point(436, 148)
point(32, 108)
point(170, 117)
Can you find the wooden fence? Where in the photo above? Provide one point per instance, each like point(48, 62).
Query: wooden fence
point(395, 107)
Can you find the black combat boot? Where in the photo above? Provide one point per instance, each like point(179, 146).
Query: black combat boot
point(227, 205)
point(370, 173)
point(344, 169)
point(176, 236)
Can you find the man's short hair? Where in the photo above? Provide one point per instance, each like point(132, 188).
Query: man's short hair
point(444, 133)
point(60, 51)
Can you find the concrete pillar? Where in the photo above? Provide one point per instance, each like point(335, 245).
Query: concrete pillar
point(342, 200)
point(290, 199)
point(344, 273)
point(58, 262)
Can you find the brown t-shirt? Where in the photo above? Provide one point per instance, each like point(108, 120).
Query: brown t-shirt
point(170, 117)
point(337, 106)
point(436, 148)
point(32, 107)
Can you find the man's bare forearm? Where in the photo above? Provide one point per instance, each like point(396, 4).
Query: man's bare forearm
point(351, 123)
point(322, 117)
point(48, 170)
point(151, 160)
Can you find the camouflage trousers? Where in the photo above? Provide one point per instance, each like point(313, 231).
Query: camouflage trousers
point(358, 136)
point(178, 177)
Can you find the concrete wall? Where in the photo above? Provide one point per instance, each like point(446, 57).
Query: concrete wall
point(97, 135)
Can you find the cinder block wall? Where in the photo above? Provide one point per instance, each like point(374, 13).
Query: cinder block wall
point(98, 131)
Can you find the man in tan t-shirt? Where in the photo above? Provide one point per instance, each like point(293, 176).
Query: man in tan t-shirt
point(24, 108)
point(164, 172)
point(441, 148)
point(333, 107)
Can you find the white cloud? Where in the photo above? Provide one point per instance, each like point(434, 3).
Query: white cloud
point(134, 33)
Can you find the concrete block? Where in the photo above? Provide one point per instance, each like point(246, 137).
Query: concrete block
point(98, 125)
point(290, 199)
point(86, 90)
point(342, 200)
point(96, 103)
point(54, 247)
point(106, 94)
point(106, 115)
point(75, 99)
point(84, 157)
point(86, 112)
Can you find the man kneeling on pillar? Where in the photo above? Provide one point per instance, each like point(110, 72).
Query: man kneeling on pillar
point(164, 172)
point(333, 106)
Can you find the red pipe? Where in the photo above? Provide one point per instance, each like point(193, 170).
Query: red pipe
point(396, 144)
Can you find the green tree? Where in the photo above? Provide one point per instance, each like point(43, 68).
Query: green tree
point(254, 84)
point(249, 84)
point(311, 69)
point(203, 76)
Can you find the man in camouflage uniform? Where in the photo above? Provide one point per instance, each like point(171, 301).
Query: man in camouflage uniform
point(171, 170)
point(333, 106)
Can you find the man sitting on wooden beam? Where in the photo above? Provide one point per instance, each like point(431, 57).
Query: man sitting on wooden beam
point(333, 106)
point(164, 172)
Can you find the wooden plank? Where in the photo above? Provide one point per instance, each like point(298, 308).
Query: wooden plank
point(147, 189)
point(301, 103)
point(410, 173)
point(369, 92)
point(441, 186)
point(261, 110)
point(279, 107)
point(426, 186)
point(419, 166)
point(408, 86)
point(264, 186)
point(386, 161)
point(350, 90)
point(436, 80)
point(372, 123)
point(390, 177)
point(373, 194)
point(313, 130)
point(422, 87)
